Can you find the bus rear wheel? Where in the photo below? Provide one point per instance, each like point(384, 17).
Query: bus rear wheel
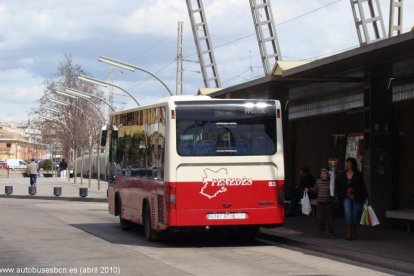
point(125, 224)
point(149, 233)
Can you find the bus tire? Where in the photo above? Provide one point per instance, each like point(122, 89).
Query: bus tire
point(125, 224)
point(149, 233)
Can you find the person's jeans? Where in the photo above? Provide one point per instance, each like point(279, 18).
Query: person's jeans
point(33, 178)
point(352, 211)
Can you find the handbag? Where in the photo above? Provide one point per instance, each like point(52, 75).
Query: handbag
point(306, 206)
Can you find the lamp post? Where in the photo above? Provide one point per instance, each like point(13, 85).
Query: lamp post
point(58, 101)
point(131, 68)
point(86, 96)
point(51, 109)
point(105, 84)
point(75, 106)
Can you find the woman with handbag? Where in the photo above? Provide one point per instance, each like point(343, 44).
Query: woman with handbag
point(355, 194)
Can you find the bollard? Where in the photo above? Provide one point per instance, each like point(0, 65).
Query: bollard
point(57, 191)
point(83, 192)
point(32, 190)
point(8, 190)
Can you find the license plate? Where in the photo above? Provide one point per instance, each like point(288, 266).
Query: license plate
point(226, 216)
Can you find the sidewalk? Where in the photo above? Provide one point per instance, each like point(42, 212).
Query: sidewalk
point(384, 246)
point(45, 185)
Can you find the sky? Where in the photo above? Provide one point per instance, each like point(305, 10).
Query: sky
point(36, 35)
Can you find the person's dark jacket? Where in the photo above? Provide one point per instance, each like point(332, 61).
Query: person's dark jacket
point(306, 181)
point(357, 184)
point(63, 166)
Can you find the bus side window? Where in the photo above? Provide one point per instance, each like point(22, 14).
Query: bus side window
point(205, 147)
point(186, 147)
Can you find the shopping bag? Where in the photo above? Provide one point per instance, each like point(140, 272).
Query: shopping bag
point(367, 217)
point(363, 220)
point(372, 216)
point(306, 206)
point(332, 183)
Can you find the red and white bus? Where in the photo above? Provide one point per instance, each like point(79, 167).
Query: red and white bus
point(193, 162)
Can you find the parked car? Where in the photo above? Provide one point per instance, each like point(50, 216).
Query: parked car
point(16, 164)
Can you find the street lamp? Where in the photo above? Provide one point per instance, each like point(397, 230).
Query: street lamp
point(77, 93)
point(65, 94)
point(86, 96)
point(75, 106)
point(131, 68)
point(58, 102)
point(105, 84)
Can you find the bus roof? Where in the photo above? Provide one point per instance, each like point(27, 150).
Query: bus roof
point(171, 100)
point(161, 101)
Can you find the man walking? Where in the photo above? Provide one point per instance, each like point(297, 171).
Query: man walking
point(62, 168)
point(33, 169)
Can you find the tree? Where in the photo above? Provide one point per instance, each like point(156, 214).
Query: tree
point(78, 124)
point(47, 165)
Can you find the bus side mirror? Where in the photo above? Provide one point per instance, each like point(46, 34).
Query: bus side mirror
point(104, 134)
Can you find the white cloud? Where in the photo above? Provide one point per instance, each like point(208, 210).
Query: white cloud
point(18, 85)
point(159, 18)
point(35, 36)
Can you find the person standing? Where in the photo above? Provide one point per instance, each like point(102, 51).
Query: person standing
point(355, 194)
point(306, 180)
point(325, 205)
point(33, 169)
point(62, 168)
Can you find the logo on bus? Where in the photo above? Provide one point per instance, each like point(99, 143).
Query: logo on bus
point(217, 182)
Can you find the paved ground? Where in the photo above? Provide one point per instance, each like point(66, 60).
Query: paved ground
point(390, 247)
point(82, 237)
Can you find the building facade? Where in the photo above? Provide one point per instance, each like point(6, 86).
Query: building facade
point(360, 104)
point(19, 143)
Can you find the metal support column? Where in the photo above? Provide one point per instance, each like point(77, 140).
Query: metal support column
point(266, 33)
point(395, 25)
point(179, 81)
point(203, 44)
point(369, 26)
point(379, 150)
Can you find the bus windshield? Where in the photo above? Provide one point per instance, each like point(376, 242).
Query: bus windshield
point(228, 128)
